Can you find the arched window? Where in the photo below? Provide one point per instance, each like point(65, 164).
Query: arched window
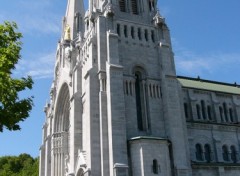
point(152, 36)
point(225, 153)
point(139, 100)
point(203, 110)
point(125, 31)
point(199, 152)
point(155, 166)
point(225, 112)
point(198, 111)
point(233, 154)
point(132, 32)
point(122, 5)
point(209, 110)
point(207, 152)
point(118, 30)
point(221, 113)
point(139, 34)
point(231, 114)
point(141, 95)
point(186, 110)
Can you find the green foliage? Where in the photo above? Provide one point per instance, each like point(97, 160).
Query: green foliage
point(12, 109)
point(22, 165)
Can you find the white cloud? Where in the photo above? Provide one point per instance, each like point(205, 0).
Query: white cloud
point(34, 17)
point(38, 68)
point(40, 24)
point(192, 64)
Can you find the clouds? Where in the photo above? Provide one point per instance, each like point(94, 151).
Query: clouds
point(34, 17)
point(39, 67)
point(205, 64)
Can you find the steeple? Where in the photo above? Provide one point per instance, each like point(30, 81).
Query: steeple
point(73, 20)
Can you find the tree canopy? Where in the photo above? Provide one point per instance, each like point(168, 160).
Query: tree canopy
point(20, 165)
point(12, 108)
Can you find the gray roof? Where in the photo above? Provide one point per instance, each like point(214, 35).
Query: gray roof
point(209, 85)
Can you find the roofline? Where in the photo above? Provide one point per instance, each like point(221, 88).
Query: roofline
point(209, 81)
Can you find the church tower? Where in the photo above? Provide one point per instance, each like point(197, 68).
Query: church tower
point(115, 107)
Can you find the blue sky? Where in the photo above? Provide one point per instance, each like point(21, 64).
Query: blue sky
point(205, 37)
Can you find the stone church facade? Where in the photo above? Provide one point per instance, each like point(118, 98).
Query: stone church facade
point(117, 107)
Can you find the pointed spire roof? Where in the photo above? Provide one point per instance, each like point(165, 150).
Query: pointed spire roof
point(72, 21)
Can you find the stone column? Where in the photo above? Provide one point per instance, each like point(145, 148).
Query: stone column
point(116, 110)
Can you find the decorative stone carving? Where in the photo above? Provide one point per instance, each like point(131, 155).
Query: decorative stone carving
point(109, 10)
point(68, 52)
point(158, 19)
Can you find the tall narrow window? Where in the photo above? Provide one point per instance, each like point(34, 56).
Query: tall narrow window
point(122, 5)
point(125, 31)
point(209, 110)
point(207, 152)
point(138, 100)
point(203, 110)
point(186, 110)
point(132, 32)
point(134, 7)
point(198, 111)
point(225, 153)
point(199, 152)
point(233, 154)
point(139, 34)
point(225, 111)
point(155, 166)
point(152, 36)
point(146, 34)
point(118, 29)
point(221, 113)
point(231, 114)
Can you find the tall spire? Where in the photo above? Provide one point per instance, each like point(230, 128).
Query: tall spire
point(73, 21)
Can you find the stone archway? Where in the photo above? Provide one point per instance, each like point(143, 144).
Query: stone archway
point(60, 138)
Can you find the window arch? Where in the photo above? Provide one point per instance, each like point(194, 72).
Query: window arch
point(186, 110)
point(155, 166)
point(225, 153)
point(198, 111)
point(203, 110)
point(199, 152)
point(231, 114)
point(207, 152)
point(221, 113)
point(141, 100)
point(209, 110)
point(233, 154)
point(225, 112)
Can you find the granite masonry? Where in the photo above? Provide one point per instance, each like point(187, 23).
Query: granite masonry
point(117, 107)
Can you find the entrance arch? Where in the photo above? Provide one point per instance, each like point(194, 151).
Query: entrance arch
point(60, 138)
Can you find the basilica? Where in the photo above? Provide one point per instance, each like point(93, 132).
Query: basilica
point(117, 107)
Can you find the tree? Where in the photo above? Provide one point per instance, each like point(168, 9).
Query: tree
point(20, 165)
point(12, 108)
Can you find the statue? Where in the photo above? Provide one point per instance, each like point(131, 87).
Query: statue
point(67, 35)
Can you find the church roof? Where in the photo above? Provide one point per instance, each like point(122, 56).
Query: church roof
point(197, 83)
